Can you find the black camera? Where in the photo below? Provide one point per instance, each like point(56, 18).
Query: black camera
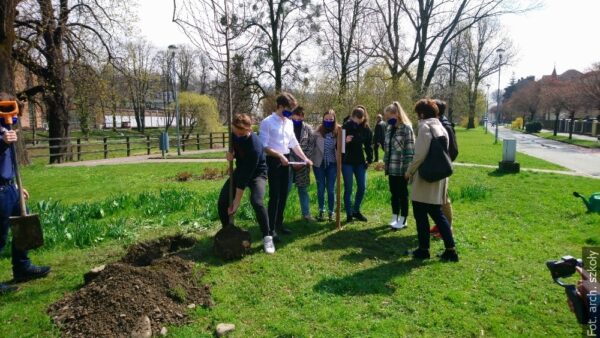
point(566, 267)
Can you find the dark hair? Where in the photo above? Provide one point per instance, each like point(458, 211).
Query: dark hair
point(441, 106)
point(360, 112)
point(426, 108)
point(242, 121)
point(298, 111)
point(321, 129)
point(285, 100)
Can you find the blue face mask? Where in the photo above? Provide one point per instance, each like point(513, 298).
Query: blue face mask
point(14, 122)
point(287, 113)
point(392, 121)
point(297, 123)
point(328, 124)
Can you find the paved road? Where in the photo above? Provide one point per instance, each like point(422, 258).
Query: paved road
point(581, 160)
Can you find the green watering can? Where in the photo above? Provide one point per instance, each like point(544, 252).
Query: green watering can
point(592, 203)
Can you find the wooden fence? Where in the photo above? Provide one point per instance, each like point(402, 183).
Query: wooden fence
point(81, 148)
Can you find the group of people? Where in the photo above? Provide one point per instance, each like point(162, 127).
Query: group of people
point(286, 141)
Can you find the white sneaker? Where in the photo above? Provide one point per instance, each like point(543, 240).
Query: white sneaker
point(401, 223)
point(268, 244)
point(394, 220)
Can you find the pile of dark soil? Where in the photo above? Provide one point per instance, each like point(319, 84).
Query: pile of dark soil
point(148, 282)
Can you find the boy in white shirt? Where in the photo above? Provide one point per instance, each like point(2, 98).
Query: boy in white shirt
point(278, 138)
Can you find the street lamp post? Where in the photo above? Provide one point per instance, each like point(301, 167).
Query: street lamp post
point(499, 51)
point(487, 107)
point(172, 50)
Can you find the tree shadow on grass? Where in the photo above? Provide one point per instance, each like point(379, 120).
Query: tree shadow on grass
point(376, 280)
point(500, 173)
point(372, 243)
point(368, 244)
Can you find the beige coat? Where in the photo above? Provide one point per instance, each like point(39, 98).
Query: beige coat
point(423, 191)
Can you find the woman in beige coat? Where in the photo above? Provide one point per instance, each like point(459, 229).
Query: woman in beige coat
point(427, 197)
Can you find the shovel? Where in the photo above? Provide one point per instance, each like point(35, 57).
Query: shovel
point(26, 229)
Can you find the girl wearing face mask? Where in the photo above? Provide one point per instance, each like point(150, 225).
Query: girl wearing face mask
point(354, 162)
point(399, 148)
point(300, 174)
point(324, 143)
point(250, 172)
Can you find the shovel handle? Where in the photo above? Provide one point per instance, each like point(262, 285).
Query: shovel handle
point(15, 163)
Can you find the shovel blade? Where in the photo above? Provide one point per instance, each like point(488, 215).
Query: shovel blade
point(27, 232)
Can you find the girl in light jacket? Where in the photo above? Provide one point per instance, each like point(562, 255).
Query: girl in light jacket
point(428, 197)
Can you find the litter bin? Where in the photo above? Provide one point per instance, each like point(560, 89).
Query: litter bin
point(163, 143)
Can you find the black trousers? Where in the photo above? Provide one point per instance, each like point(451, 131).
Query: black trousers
point(399, 190)
point(421, 210)
point(257, 195)
point(279, 178)
point(376, 150)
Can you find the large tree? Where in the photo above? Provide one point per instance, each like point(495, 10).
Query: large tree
point(139, 68)
point(482, 59)
point(433, 25)
point(282, 27)
point(50, 33)
point(345, 21)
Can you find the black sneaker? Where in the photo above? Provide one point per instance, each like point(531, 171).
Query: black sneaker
point(276, 237)
point(6, 289)
point(359, 217)
point(349, 219)
point(331, 217)
point(449, 256)
point(420, 254)
point(321, 217)
point(32, 272)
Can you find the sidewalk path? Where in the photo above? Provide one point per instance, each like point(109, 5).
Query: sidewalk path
point(583, 161)
point(575, 136)
point(152, 158)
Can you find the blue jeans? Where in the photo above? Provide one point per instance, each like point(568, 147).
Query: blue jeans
point(302, 195)
point(9, 206)
point(325, 176)
point(349, 171)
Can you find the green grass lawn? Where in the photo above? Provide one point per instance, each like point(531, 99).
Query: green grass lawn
point(474, 146)
point(322, 282)
point(565, 139)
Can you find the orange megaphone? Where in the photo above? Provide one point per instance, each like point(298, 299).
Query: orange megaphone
point(8, 110)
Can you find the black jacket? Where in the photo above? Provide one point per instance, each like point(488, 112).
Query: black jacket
point(250, 161)
point(362, 139)
point(379, 137)
point(452, 144)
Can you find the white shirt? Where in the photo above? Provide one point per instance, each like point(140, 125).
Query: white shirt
point(277, 133)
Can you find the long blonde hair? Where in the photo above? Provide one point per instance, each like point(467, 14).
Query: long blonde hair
point(395, 107)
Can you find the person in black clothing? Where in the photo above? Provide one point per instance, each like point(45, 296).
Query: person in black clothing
point(358, 143)
point(379, 137)
point(453, 152)
point(251, 173)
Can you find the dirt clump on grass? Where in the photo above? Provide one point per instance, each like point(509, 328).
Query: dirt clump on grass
point(150, 282)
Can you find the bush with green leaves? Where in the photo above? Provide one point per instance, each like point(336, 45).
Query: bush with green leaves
point(533, 127)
